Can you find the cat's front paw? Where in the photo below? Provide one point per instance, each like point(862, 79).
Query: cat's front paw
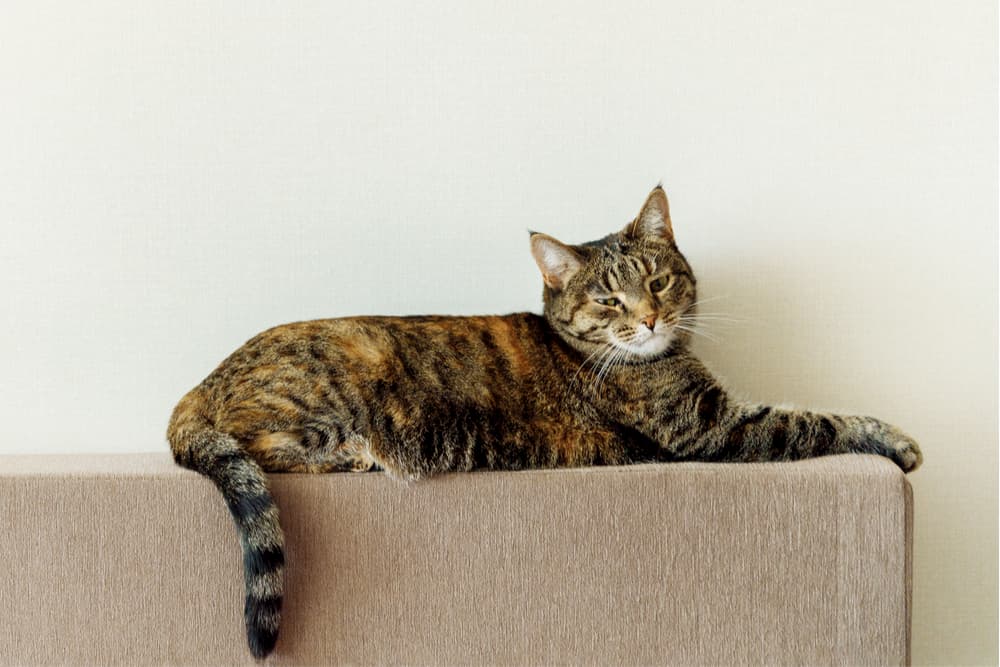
point(903, 449)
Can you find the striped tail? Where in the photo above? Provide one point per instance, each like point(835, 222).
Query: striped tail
point(219, 457)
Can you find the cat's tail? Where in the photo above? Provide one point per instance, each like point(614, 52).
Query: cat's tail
point(218, 456)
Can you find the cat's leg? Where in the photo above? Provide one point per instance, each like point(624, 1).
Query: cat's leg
point(299, 451)
point(401, 453)
point(411, 448)
point(747, 432)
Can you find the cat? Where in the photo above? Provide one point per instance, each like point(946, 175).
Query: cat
point(604, 377)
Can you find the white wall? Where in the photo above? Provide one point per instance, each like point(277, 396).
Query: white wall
point(175, 177)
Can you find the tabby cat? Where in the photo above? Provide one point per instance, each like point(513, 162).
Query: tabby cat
point(604, 377)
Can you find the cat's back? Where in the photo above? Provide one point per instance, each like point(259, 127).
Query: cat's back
point(425, 354)
point(374, 340)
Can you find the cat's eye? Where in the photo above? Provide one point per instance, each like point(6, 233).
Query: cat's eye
point(659, 284)
point(610, 302)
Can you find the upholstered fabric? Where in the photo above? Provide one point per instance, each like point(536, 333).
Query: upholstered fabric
point(130, 560)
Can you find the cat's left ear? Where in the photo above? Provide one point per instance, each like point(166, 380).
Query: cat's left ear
point(654, 218)
point(557, 261)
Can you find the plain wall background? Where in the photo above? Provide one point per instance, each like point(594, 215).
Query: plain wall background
point(176, 177)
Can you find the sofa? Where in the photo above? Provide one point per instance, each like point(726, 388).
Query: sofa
point(131, 560)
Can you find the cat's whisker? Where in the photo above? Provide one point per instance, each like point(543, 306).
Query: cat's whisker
point(608, 369)
point(707, 336)
point(608, 366)
point(697, 332)
point(599, 364)
point(593, 354)
point(715, 316)
point(692, 311)
point(604, 365)
point(708, 300)
point(710, 328)
point(709, 320)
point(599, 352)
point(706, 324)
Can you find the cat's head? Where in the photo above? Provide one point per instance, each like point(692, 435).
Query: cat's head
point(631, 292)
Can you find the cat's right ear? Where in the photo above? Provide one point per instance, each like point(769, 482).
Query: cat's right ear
point(557, 262)
point(653, 220)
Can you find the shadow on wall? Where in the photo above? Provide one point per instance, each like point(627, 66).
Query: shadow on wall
point(777, 333)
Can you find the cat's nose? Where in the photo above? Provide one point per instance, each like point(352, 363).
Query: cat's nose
point(649, 321)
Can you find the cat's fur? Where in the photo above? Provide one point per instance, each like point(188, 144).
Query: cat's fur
point(590, 383)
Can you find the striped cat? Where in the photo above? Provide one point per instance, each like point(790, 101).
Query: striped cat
point(604, 377)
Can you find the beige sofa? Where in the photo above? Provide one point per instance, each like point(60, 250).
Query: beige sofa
point(130, 560)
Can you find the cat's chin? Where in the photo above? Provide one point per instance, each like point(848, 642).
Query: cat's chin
point(649, 349)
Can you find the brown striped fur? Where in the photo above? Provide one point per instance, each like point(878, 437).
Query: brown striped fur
point(605, 377)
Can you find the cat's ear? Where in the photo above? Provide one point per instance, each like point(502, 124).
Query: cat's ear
point(557, 261)
point(653, 220)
